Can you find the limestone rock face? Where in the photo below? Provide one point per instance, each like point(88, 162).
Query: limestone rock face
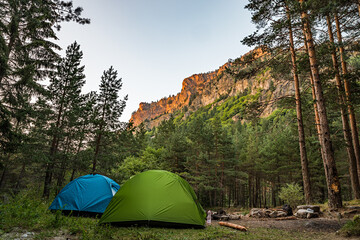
point(200, 90)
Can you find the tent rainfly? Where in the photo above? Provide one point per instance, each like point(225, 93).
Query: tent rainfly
point(155, 198)
point(87, 194)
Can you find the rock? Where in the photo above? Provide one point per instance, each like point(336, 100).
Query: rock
point(256, 212)
point(237, 213)
point(220, 217)
point(304, 213)
point(266, 212)
point(224, 218)
point(28, 235)
point(315, 208)
point(288, 210)
point(276, 214)
point(203, 89)
point(301, 213)
point(234, 217)
point(281, 214)
point(312, 215)
point(273, 214)
point(222, 212)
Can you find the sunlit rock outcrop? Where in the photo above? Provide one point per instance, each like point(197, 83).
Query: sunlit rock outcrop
point(203, 89)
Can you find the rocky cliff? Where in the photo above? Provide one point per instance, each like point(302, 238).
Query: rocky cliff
point(203, 89)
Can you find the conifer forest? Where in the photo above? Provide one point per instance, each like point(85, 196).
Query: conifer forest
point(232, 153)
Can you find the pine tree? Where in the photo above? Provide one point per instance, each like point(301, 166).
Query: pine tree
point(344, 116)
point(276, 18)
point(352, 117)
point(27, 52)
point(27, 55)
point(65, 88)
point(333, 183)
point(83, 130)
point(109, 108)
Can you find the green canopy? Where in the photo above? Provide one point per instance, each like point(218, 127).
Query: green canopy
point(155, 198)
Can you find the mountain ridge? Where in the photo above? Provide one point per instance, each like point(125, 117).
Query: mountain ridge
point(205, 88)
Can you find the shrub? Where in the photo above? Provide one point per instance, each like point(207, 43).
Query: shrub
point(292, 194)
point(351, 228)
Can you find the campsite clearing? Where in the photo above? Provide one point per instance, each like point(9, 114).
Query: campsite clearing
point(87, 228)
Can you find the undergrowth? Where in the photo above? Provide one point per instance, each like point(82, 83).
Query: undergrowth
point(351, 228)
point(27, 212)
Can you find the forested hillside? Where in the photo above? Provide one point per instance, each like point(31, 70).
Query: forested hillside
point(288, 115)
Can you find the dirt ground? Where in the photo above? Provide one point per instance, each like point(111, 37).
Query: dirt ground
point(313, 224)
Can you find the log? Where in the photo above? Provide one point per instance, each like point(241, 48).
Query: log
point(232, 225)
point(286, 218)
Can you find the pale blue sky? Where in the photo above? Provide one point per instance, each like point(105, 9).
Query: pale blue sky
point(155, 44)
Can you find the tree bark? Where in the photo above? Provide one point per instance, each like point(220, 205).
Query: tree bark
point(72, 174)
point(2, 179)
point(345, 122)
point(316, 112)
point(352, 118)
point(273, 197)
point(257, 196)
point(302, 145)
point(97, 148)
point(250, 192)
point(333, 183)
point(222, 184)
point(232, 225)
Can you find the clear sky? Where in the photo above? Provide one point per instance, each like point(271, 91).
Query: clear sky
point(155, 44)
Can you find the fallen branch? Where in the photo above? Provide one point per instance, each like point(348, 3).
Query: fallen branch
point(286, 218)
point(232, 225)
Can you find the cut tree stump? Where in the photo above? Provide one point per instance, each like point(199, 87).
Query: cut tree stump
point(232, 225)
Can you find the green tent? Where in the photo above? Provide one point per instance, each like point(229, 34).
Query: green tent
point(155, 198)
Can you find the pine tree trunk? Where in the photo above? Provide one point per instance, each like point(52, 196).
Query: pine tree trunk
point(352, 118)
point(2, 179)
point(222, 184)
point(346, 128)
point(302, 145)
point(333, 183)
point(98, 140)
point(215, 197)
point(250, 192)
point(62, 170)
point(72, 174)
point(265, 196)
point(210, 199)
point(254, 192)
point(316, 112)
point(258, 192)
point(273, 196)
point(229, 197)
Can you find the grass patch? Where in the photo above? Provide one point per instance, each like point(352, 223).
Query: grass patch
point(351, 228)
point(28, 213)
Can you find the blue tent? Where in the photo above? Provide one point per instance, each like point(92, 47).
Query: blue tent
point(90, 193)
